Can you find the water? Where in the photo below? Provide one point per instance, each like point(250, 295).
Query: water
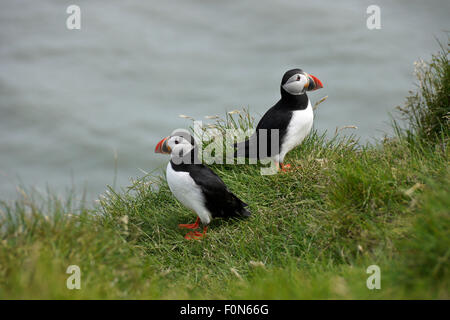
point(71, 99)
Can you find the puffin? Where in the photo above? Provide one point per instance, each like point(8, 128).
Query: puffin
point(292, 115)
point(196, 186)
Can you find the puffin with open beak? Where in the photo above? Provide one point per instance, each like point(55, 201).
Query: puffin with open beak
point(196, 186)
point(292, 116)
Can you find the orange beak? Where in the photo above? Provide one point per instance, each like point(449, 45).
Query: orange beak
point(162, 146)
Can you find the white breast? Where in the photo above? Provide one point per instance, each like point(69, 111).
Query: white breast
point(187, 192)
point(299, 127)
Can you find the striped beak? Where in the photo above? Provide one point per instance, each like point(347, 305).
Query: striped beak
point(162, 146)
point(313, 83)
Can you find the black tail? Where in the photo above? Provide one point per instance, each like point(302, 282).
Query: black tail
point(244, 212)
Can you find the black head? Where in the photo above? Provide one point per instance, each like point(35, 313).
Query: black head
point(297, 82)
point(180, 145)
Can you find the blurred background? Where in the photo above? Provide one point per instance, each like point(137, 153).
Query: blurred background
point(72, 99)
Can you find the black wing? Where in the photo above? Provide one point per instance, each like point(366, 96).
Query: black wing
point(218, 199)
point(274, 118)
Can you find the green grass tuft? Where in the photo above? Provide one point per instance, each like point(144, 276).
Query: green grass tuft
point(427, 110)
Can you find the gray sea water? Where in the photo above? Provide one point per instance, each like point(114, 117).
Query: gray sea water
point(71, 99)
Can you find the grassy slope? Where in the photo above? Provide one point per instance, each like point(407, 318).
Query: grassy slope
point(313, 232)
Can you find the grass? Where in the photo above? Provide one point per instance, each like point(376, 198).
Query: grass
point(313, 233)
point(427, 109)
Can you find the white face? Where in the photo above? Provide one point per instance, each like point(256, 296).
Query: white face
point(296, 84)
point(179, 146)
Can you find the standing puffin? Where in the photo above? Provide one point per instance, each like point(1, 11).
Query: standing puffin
point(292, 115)
point(196, 186)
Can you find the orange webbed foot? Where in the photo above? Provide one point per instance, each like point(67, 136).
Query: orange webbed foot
point(190, 225)
point(196, 235)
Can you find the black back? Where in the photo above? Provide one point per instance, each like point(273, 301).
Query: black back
point(220, 201)
point(277, 117)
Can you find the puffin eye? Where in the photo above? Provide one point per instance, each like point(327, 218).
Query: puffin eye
point(298, 77)
point(177, 142)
